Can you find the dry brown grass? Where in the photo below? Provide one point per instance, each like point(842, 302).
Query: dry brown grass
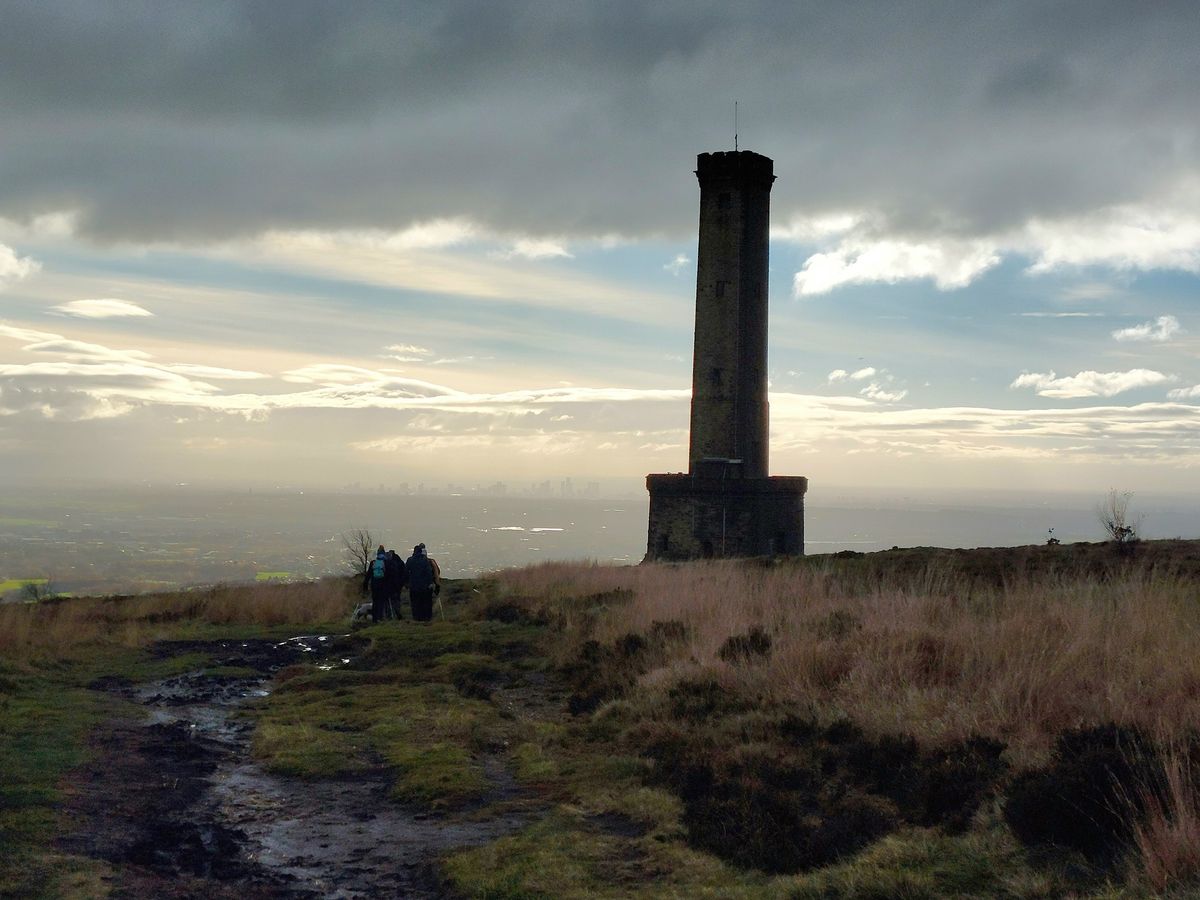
point(57, 627)
point(928, 651)
point(1168, 838)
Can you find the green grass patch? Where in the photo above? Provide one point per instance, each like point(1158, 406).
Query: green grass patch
point(43, 729)
point(923, 864)
point(398, 704)
point(15, 584)
point(572, 855)
point(272, 576)
point(441, 774)
point(307, 751)
point(135, 666)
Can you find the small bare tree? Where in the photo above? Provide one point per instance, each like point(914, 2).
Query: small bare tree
point(37, 591)
point(359, 545)
point(1113, 514)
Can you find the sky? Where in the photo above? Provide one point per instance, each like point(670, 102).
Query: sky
point(318, 243)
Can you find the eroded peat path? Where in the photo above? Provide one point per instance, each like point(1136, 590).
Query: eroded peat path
point(178, 807)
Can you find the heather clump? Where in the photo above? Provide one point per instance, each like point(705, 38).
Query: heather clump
point(790, 794)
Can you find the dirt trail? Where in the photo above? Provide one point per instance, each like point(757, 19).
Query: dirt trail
point(175, 802)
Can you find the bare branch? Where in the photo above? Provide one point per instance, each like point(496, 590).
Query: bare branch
point(359, 545)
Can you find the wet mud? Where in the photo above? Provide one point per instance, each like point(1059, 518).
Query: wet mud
point(176, 804)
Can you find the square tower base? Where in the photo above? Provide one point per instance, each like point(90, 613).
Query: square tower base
point(713, 517)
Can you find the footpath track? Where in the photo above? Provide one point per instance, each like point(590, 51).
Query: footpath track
point(174, 801)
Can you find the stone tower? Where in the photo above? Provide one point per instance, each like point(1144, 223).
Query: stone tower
point(727, 504)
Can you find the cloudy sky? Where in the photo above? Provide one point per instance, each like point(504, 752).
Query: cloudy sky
point(455, 241)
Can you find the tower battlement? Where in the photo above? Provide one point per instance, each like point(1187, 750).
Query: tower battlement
point(735, 164)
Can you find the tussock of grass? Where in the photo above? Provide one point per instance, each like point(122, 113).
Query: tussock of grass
point(440, 774)
point(307, 751)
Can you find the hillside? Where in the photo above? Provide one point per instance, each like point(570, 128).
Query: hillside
point(1010, 722)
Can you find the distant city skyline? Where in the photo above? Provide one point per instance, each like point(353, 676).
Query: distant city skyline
point(455, 243)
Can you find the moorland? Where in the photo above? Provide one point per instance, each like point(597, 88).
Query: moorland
point(916, 723)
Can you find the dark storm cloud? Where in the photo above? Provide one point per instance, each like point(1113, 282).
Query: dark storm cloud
point(161, 120)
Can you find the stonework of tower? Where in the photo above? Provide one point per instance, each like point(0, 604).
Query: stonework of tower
point(727, 505)
point(729, 362)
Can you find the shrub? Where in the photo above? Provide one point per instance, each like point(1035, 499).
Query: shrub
point(745, 648)
point(1113, 513)
point(796, 795)
point(1091, 795)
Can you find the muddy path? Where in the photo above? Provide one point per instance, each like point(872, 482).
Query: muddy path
point(175, 802)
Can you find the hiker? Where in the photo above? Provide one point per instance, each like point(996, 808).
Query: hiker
point(376, 581)
point(424, 581)
point(395, 576)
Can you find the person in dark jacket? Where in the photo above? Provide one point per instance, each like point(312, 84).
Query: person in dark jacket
point(424, 581)
point(395, 575)
point(375, 580)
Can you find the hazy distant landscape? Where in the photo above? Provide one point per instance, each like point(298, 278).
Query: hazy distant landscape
point(89, 541)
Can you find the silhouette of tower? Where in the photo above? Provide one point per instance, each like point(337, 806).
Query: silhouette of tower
point(727, 504)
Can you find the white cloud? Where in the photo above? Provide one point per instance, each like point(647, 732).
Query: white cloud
point(83, 350)
point(431, 235)
point(876, 391)
point(332, 373)
point(408, 353)
point(1091, 290)
point(1124, 237)
point(1164, 432)
point(25, 334)
point(535, 248)
point(55, 224)
point(950, 263)
point(13, 267)
point(1161, 329)
point(1090, 383)
point(101, 308)
point(1185, 393)
point(219, 372)
point(802, 230)
point(678, 264)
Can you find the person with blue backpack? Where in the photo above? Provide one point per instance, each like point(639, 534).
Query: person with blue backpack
point(377, 581)
point(424, 581)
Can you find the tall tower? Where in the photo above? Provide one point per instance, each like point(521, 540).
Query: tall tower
point(727, 504)
point(729, 363)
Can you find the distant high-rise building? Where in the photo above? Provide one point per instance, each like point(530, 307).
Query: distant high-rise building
point(728, 504)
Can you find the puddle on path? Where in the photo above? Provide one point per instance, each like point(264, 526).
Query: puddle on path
point(180, 798)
